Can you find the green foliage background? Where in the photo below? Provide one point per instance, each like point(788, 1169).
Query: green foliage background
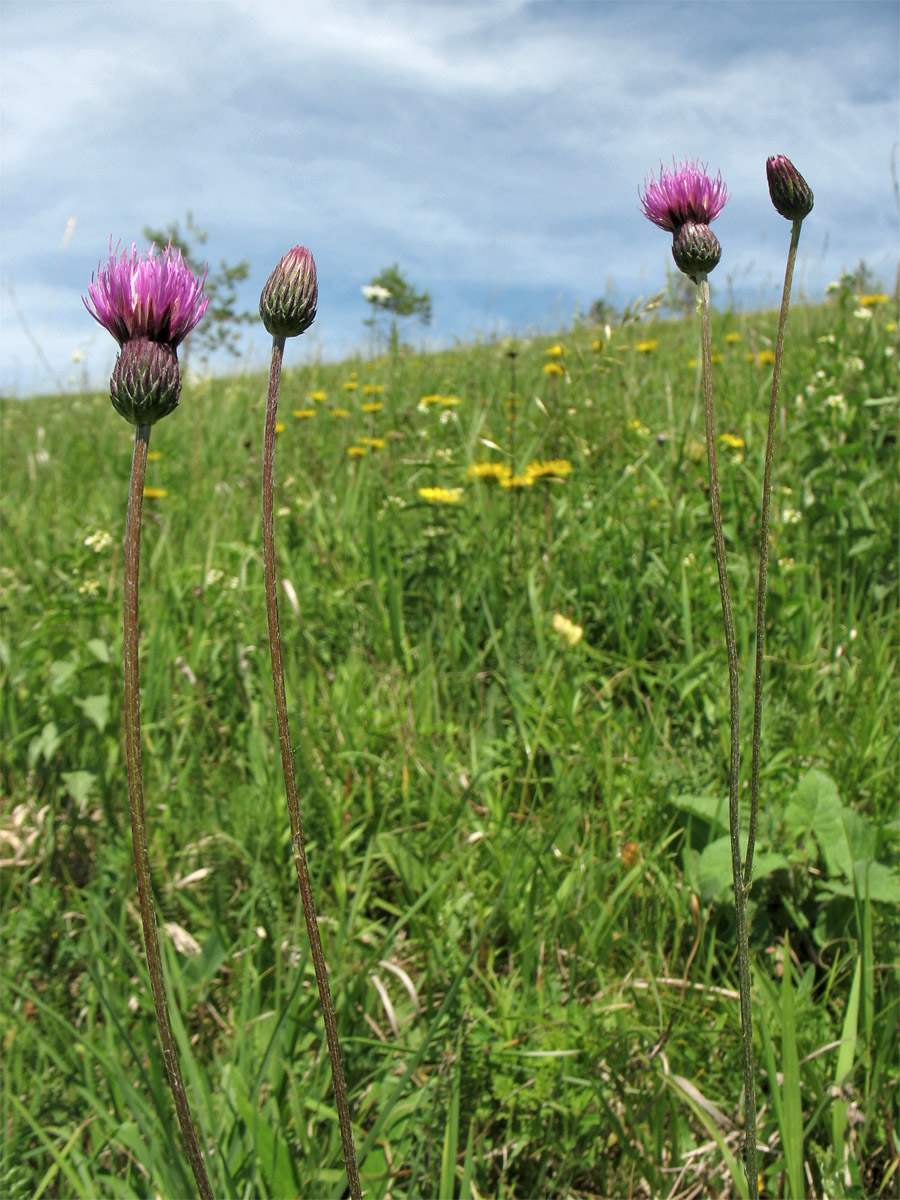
point(516, 844)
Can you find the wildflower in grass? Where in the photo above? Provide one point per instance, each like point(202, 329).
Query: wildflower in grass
point(340, 413)
point(555, 351)
point(287, 306)
point(374, 443)
point(598, 344)
point(98, 541)
point(637, 426)
point(761, 357)
point(304, 414)
point(554, 369)
point(431, 398)
point(874, 300)
point(90, 587)
point(733, 337)
point(154, 455)
point(449, 401)
point(647, 347)
point(149, 305)
point(373, 406)
point(350, 385)
point(517, 482)
point(684, 201)
point(570, 633)
point(318, 396)
point(154, 493)
point(489, 472)
point(731, 441)
point(356, 451)
point(280, 427)
point(441, 495)
point(554, 468)
point(373, 389)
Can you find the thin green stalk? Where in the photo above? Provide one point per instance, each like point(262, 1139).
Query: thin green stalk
point(136, 801)
point(290, 784)
point(734, 772)
point(764, 552)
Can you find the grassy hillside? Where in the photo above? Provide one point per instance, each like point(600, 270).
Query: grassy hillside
point(516, 842)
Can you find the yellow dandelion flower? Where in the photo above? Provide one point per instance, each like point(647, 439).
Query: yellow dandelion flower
point(518, 481)
point(732, 338)
point(554, 468)
point(553, 368)
point(373, 443)
point(732, 442)
point(280, 427)
point(715, 358)
point(350, 386)
point(761, 357)
point(490, 472)
point(432, 398)
point(373, 406)
point(317, 397)
point(372, 389)
point(154, 455)
point(555, 351)
point(339, 412)
point(303, 414)
point(647, 347)
point(449, 401)
point(440, 495)
point(154, 493)
point(570, 633)
point(356, 451)
point(597, 344)
point(872, 300)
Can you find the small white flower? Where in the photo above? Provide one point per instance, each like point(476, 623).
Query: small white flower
point(376, 294)
point(98, 541)
point(863, 314)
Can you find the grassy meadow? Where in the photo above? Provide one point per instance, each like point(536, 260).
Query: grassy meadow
point(519, 844)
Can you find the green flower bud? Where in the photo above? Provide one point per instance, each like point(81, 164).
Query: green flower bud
point(696, 249)
point(288, 301)
point(146, 382)
point(791, 194)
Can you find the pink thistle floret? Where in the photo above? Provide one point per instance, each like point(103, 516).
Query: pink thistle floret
point(156, 297)
point(683, 193)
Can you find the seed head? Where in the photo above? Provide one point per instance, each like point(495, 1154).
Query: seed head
point(288, 301)
point(791, 194)
point(146, 382)
point(156, 297)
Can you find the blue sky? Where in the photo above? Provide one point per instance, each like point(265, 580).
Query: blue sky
point(493, 149)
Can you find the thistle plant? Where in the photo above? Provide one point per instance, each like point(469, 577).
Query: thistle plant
point(684, 201)
point(288, 308)
point(793, 199)
point(149, 305)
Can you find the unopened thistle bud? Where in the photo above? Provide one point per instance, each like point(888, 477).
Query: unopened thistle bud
point(791, 194)
point(696, 249)
point(288, 301)
point(146, 382)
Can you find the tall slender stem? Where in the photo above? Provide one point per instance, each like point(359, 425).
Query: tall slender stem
point(764, 552)
point(734, 771)
point(136, 799)
point(287, 763)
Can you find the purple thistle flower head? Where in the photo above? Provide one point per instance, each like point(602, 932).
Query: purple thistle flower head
point(681, 194)
point(156, 297)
